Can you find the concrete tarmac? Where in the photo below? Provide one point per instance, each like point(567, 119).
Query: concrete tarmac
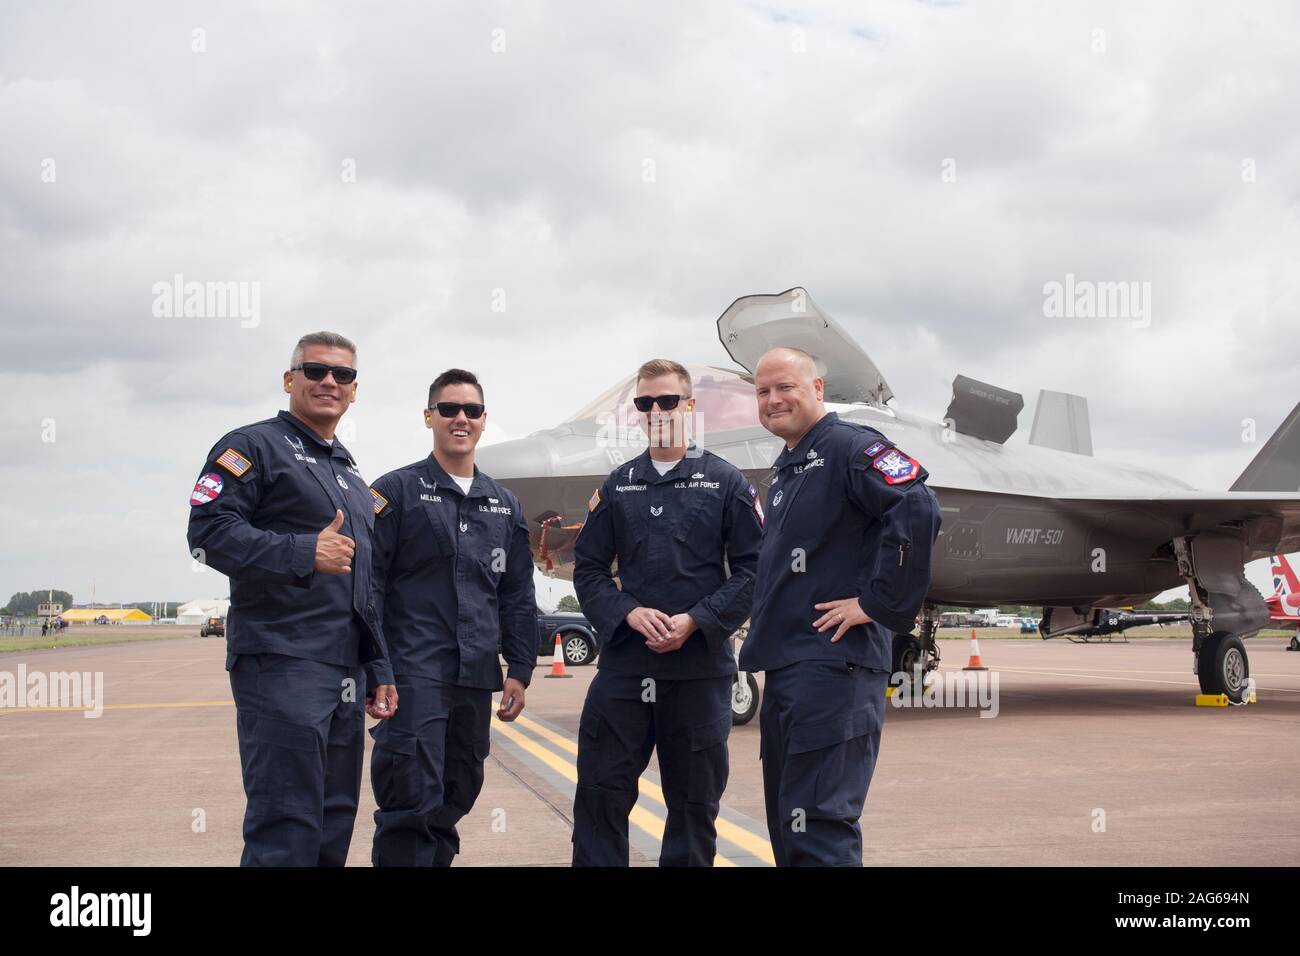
point(1096, 756)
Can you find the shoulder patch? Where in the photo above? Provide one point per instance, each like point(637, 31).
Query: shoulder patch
point(875, 448)
point(758, 506)
point(234, 462)
point(896, 467)
point(595, 501)
point(206, 489)
point(380, 501)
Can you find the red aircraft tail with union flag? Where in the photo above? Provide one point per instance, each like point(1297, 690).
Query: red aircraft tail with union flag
point(1284, 602)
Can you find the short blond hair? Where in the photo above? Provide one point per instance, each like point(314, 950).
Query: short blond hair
point(656, 367)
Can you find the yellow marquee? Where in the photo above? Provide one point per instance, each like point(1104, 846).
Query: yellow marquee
point(84, 615)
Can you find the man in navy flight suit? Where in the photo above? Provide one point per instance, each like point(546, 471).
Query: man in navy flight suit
point(845, 562)
point(682, 524)
point(454, 574)
point(281, 509)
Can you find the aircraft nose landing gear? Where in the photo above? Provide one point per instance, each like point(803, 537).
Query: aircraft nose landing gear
point(744, 698)
point(915, 656)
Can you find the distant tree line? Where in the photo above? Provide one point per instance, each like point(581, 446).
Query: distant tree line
point(1177, 604)
point(165, 608)
point(23, 604)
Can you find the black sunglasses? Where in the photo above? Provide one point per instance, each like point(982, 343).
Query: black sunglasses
point(316, 371)
point(644, 403)
point(451, 409)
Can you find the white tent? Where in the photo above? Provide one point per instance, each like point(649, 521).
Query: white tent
point(196, 612)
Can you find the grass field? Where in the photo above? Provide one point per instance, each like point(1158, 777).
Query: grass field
point(88, 635)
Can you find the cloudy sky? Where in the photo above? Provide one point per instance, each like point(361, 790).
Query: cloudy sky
point(548, 193)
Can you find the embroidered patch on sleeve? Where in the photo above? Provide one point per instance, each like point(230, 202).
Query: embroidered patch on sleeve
point(206, 489)
point(874, 449)
point(380, 501)
point(595, 501)
point(896, 467)
point(234, 462)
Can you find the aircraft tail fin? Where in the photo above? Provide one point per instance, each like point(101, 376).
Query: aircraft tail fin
point(1284, 580)
point(1277, 466)
point(1061, 422)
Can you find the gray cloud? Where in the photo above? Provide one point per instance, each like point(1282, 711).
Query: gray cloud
point(620, 173)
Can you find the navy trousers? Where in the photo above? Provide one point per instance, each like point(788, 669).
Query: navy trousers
point(625, 718)
point(427, 770)
point(301, 745)
point(819, 728)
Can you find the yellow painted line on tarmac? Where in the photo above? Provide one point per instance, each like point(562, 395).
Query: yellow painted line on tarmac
point(168, 704)
point(729, 831)
point(641, 818)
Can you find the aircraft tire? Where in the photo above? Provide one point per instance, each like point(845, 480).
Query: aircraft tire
point(744, 700)
point(1222, 666)
point(907, 656)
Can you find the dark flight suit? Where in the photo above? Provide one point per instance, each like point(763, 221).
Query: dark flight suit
point(297, 639)
point(454, 575)
point(848, 515)
point(674, 537)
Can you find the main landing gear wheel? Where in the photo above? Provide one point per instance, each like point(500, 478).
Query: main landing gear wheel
point(1222, 666)
point(1295, 642)
point(744, 698)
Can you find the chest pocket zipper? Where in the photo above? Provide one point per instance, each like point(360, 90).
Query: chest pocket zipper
point(791, 490)
point(691, 523)
point(442, 546)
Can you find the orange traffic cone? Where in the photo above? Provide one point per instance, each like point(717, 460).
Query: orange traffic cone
point(557, 662)
point(975, 663)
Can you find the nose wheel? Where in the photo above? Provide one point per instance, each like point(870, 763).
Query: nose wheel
point(916, 655)
point(744, 698)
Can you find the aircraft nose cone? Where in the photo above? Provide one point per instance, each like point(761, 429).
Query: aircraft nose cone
point(521, 458)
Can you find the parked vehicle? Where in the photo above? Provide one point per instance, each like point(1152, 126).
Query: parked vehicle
point(578, 638)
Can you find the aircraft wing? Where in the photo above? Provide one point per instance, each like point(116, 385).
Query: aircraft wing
point(1271, 520)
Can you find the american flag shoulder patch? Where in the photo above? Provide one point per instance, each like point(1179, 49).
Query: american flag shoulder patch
point(595, 501)
point(380, 501)
point(234, 462)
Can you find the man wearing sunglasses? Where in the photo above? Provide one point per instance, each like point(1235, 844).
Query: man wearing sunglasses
point(454, 577)
point(845, 564)
point(282, 510)
point(683, 526)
